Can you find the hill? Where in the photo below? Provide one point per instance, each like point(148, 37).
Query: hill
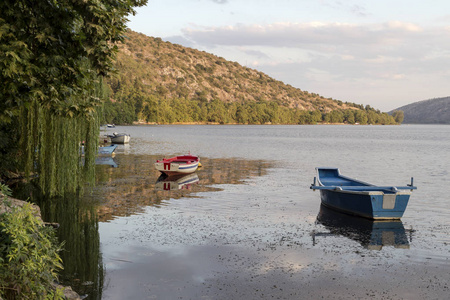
point(165, 83)
point(433, 111)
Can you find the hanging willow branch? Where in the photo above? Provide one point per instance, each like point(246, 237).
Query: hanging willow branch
point(53, 151)
point(52, 54)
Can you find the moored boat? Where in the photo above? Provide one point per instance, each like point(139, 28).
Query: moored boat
point(360, 198)
point(119, 138)
point(183, 164)
point(107, 150)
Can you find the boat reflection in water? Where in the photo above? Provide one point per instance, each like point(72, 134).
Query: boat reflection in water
point(176, 182)
point(371, 234)
point(106, 160)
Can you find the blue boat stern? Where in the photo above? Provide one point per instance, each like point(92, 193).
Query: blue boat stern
point(389, 205)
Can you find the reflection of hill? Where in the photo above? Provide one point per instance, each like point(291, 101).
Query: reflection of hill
point(126, 190)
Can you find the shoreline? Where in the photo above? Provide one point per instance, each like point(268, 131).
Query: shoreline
point(265, 124)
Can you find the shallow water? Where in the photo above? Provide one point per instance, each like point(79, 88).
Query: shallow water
point(250, 227)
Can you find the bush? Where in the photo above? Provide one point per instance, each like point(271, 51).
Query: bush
point(29, 256)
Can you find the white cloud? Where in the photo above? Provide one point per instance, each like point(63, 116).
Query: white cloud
point(328, 57)
point(402, 26)
point(307, 34)
point(354, 9)
point(385, 43)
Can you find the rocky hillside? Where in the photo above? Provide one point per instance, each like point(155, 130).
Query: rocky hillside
point(164, 83)
point(433, 111)
point(168, 70)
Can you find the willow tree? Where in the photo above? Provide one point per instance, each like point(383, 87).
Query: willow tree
point(53, 56)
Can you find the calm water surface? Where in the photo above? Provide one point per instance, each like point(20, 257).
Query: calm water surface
point(249, 227)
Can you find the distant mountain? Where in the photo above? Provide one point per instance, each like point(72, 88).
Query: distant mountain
point(433, 111)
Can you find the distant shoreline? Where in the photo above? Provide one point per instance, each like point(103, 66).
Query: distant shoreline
point(265, 124)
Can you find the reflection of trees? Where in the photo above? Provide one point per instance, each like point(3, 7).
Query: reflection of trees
point(77, 217)
point(130, 188)
point(120, 191)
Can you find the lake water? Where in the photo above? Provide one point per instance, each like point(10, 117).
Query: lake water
point(250, 227)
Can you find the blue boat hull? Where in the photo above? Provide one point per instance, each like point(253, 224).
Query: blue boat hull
point(107, 150)
point(372, 205)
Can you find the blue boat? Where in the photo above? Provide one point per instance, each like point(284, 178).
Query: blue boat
point(360, 198)
point(107, 150)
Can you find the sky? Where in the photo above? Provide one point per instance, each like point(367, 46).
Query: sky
point(382, 53)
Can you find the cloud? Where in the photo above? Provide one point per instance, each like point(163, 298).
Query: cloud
point(359, 11)
point(366, 41)
point(255, 53)
point(303, 34)
point(365, 60)
point(220, 1)
point(354, 9)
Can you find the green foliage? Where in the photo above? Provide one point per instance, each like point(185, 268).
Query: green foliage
point(53, 56)
point(8, 148)
point(361, 117)
point(182, 110)
point(51, 51)
point(51, 148)
point(29, 257)
point(398, 116)
point(334, 116)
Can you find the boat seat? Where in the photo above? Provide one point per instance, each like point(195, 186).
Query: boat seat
point(335, 182)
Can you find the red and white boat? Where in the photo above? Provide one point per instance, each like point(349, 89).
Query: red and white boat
point(183, 164)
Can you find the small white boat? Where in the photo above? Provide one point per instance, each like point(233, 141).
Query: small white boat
point(183, 164)
point(119, 138)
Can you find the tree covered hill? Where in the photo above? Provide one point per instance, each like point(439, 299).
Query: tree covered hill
point(162, 82)
point(433, 111)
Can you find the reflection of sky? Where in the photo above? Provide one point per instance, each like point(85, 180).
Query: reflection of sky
point(241, 241)
point(250, 238)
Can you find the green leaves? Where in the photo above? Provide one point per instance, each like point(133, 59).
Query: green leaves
point(53, 55)
point(29, 257)
point(51, 46)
